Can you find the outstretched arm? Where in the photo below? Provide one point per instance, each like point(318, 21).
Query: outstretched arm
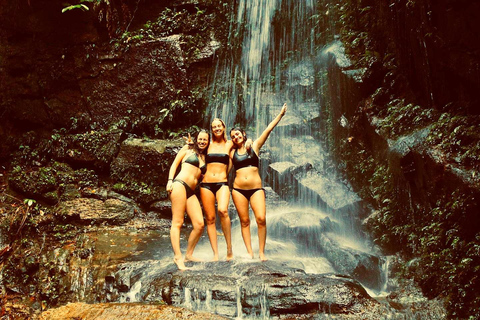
point(257, 144)
point(174, 167)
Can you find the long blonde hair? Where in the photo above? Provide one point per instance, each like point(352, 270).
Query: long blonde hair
point(224, 127)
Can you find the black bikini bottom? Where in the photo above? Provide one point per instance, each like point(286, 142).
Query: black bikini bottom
point(188, 190)
point(248, 193)
point(213, 186)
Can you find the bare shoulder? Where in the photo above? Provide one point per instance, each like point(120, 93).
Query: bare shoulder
point(185, 148)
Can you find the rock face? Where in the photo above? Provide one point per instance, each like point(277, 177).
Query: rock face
point(147, 160)
point(79, 69)
point(125, 311)
point(93, 210)
point(92, 149)
point(305, 184)
point(141, 168)
point(251, 289)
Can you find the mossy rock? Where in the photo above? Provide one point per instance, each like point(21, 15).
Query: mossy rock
point(95, 149)
point(141, 168)
point(40, 183)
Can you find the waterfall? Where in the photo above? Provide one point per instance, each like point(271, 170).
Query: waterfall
point(279, 53)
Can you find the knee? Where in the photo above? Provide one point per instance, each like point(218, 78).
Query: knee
point(176, 224)
point(245, 223)
point(261, 222)
point(200, 225)
point(223, 213)
point(210, 220)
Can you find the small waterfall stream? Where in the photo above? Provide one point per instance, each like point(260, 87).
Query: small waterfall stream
point(279, 56)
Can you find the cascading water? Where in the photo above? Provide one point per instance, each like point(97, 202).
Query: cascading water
point(281, 57)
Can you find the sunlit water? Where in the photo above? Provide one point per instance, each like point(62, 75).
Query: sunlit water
point(279, 60)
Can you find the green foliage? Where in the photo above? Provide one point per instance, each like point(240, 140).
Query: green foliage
point(80, 5)
point(459, 138)
point(400, 118)
point(444, 238)
point(76, 6)
point(29, 202)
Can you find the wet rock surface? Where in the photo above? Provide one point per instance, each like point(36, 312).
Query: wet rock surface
point(307, 185)
point(97, 211)
point(122, 312)
point(241, 288)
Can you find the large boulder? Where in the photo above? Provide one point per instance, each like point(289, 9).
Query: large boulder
point(97, 211)
point(125, 311)
point(95, 148)
point(307, 185)
point(142, 167)
point(248, 289)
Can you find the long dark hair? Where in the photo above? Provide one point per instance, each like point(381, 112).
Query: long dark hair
point(242, 131)
point(224, 131)
point(195, 144)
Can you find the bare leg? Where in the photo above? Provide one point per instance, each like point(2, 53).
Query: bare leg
point(223, 196)
point(257, 201)
point(194, 211)
point(178, 198)
point(208, 201)
point(241, 203)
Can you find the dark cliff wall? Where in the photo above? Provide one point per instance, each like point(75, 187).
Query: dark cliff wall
point(434, 44)
point(139, 66)
point(410, 146)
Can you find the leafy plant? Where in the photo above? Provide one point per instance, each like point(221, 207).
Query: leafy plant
point(80, 5)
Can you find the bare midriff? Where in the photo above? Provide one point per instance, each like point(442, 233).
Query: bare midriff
point(247, 178)
point(189, 174)
point(216, 172)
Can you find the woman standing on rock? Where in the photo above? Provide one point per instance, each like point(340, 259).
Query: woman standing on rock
point(214, 187)
point(182, 194)
point(247, 186)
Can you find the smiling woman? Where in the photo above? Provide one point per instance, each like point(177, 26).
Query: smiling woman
point(214, 187)
point(247, 186)
point(191, 158)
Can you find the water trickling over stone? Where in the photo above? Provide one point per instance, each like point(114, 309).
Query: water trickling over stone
point(278, 56)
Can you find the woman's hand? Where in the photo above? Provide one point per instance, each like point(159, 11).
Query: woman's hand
point(284, 109)
point(169, 186)
point(188, 140)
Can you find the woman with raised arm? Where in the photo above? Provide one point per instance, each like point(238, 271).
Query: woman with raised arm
point(191, 158)
point(214, 187)
point(247, 186)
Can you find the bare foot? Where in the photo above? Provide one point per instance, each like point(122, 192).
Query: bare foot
point(192, 259)
point(251, 255)
point(262, 257)
point(179, 262)
point(229, 255)
point(215, 257)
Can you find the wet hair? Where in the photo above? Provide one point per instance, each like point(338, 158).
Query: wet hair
point(195, 143)
point(224, 126)
point(241, 130)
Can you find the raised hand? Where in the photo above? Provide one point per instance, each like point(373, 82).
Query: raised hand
point(188, 140)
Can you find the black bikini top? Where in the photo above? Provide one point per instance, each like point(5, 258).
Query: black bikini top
point(193, 160)
point(217, 157)
point(249, 159)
